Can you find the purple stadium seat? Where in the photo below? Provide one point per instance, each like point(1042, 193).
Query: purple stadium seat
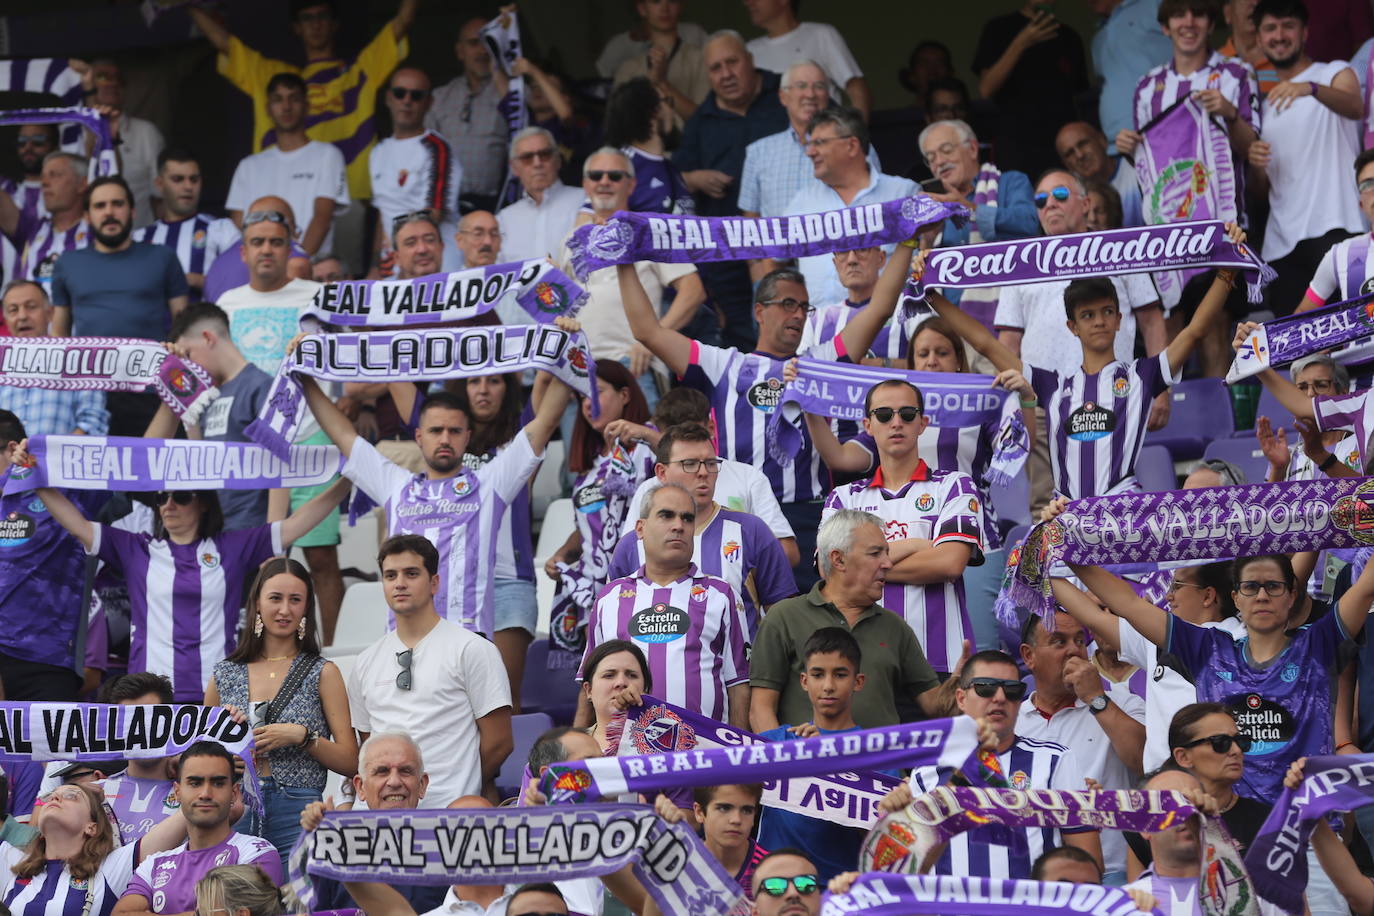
point(1278, 415)
point(1201, 412)
point(1012, 502)
point(1244, 453)
point(526, 729)
point(542, 690)
point(1155, 469)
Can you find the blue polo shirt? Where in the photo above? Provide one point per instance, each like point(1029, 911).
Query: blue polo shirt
point(714, 138)
point(119, 293)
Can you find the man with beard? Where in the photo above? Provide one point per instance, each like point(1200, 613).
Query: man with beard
point(183, 228)
point(117, 288)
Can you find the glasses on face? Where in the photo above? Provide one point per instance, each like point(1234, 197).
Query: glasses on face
point(885, 414)
point(607, 175)
point(415, 95)
point(692, 465)
point(65, 793)
point(482, 233)
point(818, 86)
point(1317, 384)
point(22, 142)
point(776, 887)
point(404, 679)
point(1222, 743)
point(1366, 185)
point(818, 142)
point(1177, 584)
point(1272, 587)
point(1059, 193)
point(180, 497)
point(987, 687)
point(265, 216)
point(943, 151)
point(790, 306)
point(543, 155)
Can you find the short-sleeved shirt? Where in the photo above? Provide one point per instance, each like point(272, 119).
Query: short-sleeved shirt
point(1097, 422)
point(1173, 896)
point(891, 343)
point(45, 245)
point(137, 804)
point(120, 293)
point(299, 176)
point(195, 246)
point(893, 663)
point(776, 168)
point(603, 315)
point(944, 508)
point(686, 70)
point(601, 510)
point(1345, 271)
point(1164, 85)
point(473, 123)
point(341, 94)
point(167, 880)
point(659, 187)
point(54, 891)
point(457, 678)
point(263, 323)
point(817, 41)
point(458, 514)
point(714, 138)
point(734, 547)
point(185, 599)
point(1285, 705)
point(692, 632)
point(229, 271)
point(415, 173)
point(537, 230)
point(239, 403)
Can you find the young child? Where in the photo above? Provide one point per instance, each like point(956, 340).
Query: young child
point(727, 815)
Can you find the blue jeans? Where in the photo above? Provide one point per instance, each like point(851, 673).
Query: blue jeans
point(981, 587)
point(280, 823)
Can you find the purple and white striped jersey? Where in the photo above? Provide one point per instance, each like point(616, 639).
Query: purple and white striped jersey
point(185, 599)
point(28, 197)
point(984, 852)
point(1348, 411)
point(1163, 86)
point(744, 390)
point(44, 246)
point(825, 324)
point(735, 547)
point(458, 514)
point(55, 892)
point(51, 76)
point(600, 511)
point(692, 631)
point(167, 880)
point(1097, 422)
point(137, 805)
point(943, 507)
point(196, 246)
point(514, 540)
point(1345, 271)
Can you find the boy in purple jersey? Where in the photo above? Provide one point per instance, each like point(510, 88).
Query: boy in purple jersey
point(208, 791)
point(1096, 417)
point(727, 815)
point(143, 795)
point(733, 546)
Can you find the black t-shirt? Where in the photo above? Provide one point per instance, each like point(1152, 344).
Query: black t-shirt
point(1243, 820)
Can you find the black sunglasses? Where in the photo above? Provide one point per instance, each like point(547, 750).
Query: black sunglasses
point(180, 497)
point(404, 680)
point(776, 887)
point(612, 174)
point(885, 414)
point(1059, 193)
point(987, 687)
point(415, 95)
point(1222, 743)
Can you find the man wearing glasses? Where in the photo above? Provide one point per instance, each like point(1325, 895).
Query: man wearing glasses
point(33, 143)
point(414, 169)
point(535, 225)
point(932, 521)
point(786, 884)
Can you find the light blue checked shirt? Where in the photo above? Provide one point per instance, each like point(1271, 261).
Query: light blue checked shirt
point(775, 169)
point(47, 412)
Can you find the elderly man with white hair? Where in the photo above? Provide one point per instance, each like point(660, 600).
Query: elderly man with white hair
point(535, 225)
point(852, 552)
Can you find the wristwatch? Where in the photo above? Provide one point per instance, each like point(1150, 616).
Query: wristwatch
point(1098, 704)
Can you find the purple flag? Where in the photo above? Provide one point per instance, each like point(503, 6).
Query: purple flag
point(878, 894)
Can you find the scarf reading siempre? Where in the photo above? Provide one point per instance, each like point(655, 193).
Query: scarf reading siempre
point(430, 355)
point(945, 743)
point(104, 161)
point(541, 289)
point(1284, 517)
point(516, 846)
point(107, 364)
point(630, 237)
point(951, 399)
point(658, 727)
point(907, 840)
point(138, 465)
point(1285, 340)
point(879, 894)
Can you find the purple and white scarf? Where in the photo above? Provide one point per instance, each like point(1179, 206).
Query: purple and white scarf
point(630, 237)
point(1368, 127)
point(985, 186)
point(1261, 518)
point(944, 743)
point(140, 465)
point(502, 36)
point(104, 161)
point(1285, 340)
point(659, 727)
point(952, 399)
point(541, 289)
point(1110, 253)
point(107, 364)
point(1186, 173)
point(516, 846)
point(880, 894)
point(429, 355)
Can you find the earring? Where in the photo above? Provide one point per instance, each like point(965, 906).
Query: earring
point(257, 626)
point(300, 631)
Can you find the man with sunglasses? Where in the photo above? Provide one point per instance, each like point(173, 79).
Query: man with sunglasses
point(230, 269)
point(535, 225)
point(32, 144)
point(786, 884)
point(932, 520)
point(414, 169)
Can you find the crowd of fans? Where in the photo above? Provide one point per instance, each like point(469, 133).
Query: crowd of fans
point(850, 586)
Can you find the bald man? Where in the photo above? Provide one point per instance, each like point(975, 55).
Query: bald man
point(1082, 149)
point(230, 270)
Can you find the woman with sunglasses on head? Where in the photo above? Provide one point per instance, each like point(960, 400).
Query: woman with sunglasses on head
point(293, 698)
point(1279, 679)
point(186, 579)
point(75, 865)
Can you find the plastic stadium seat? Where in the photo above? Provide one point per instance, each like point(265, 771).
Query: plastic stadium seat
point(557, 525)
point(358, 544)
point(362, 619)
point(1278, 415)
point(1244, 453)
point(1012, 502)
point(1016, 536)
point(1201, 412)
point(551, 692)
point(526, 728)
point(1155, 469)
point(548, 480)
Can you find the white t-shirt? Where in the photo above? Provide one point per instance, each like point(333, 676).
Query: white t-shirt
point(603, 317)
point(139, 143)
point(298, 177)
point(1037, 309)
point(417, 173)
point(816, 41)
point(537, 230)
point(740, 487)
point(457, 678)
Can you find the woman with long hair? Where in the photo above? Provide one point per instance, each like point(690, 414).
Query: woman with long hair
point(293, 698)
point(74, 864)
point(239, 890)
point(614, 676)
point(186, 579)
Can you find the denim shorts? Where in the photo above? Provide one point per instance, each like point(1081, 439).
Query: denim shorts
point(514, 605)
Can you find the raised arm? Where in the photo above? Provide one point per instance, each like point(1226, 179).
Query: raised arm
point(214, 30)
point(404, 18)
point(848, 457)
point(541, 428)
point(1289, 395)
point(1080, 607)
point(1148, 620)
point(978, 337)
point(1209, 311)
point(859, 333)
point(1355, 603)
point(313, 512)
point(377, 899)
point(673, 347)
point(68, 515)
point(332, 420)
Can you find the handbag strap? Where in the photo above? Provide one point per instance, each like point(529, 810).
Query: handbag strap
point(300, 669)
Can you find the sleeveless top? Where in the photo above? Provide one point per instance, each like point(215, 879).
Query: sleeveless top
point(291, 766)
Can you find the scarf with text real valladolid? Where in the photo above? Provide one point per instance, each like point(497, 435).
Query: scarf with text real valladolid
point(951, 399)
point(881, 894)
point(1285, 340)
point(629, 237)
